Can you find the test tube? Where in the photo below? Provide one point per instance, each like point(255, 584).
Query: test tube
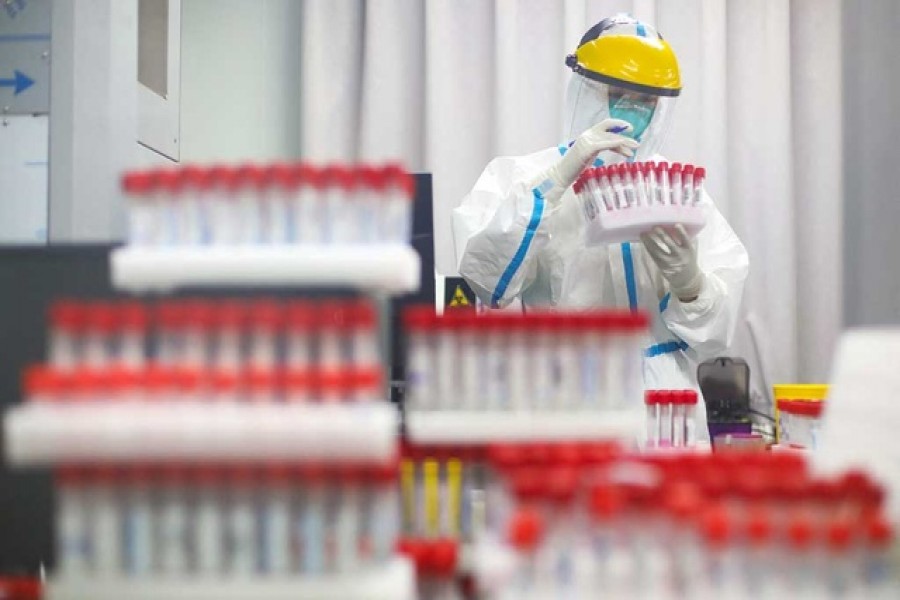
point(241, 559)
point(651, 182)
point(143, 211)
point(331, 202)
point(678, 421)
point(651, 401)
point(594, 188)
point(689, 400)
point(615, 179)
point(133, 320)
point(138, 522)
point(172, 522)
point(518, 369)
point(446, 352)
point(101, 327)
point(105, 543)
point(364, 350)
point(431, 497)
point(397, 217)
point(640, 184)
point(606, 188)
point(340, 224)
point(223, 217)
point(277, 198)
point(169, 187)
point(308, 208)
point(347, 521)
point(662, 182)
point(372, 188)
point(627, 183)
point(249, 183)
point(495, 378)
point(300, 335)
point(266, 321)
point(170, 321)
point(197, 320)
point(634, 341)
point(878, 538)
point(67, 325)
point(687, 177)
point(615, 358)
point(72, 529)
point(666, 404)
point(275, 521)
point(592, 360)
point(699, 178)
point(543, 359)
point(208, 522)
point(192, 205)
point(472, 387)
point(567, 328)
point(384, 519)
point(332, 335)
point(419, 323)
point(229, 318)
point(676, 188)
point(311, 522)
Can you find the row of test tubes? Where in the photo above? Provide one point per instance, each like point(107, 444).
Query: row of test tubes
point(694, 526)
point(276, 204)
point(645, 184)
point(179, 521)
point(46, 385)
point(228, 335)
point(536, 361)
point(671, 418)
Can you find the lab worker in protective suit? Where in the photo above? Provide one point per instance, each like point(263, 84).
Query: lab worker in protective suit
point(520, 233)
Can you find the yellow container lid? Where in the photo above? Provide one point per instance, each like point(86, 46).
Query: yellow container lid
point(800, 391)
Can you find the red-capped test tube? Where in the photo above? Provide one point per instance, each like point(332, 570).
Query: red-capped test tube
point(400, 188)
point(144, 218)
point(662, 181)
point(687, 179)
point(699, 179)
point(67, 327)
point(421, 365)
point(308, 207)
point(277, 203)
point(267, 319)
point(666, 406)
point(676, 189)
point(222, 210)
point(192, 209)
point(99, 335)
point(248, 184)
point(651, 402)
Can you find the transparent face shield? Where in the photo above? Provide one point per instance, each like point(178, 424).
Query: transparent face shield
point(588, 102)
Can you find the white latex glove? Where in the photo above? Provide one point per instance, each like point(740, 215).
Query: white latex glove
point(581, 155)
point(676, 257)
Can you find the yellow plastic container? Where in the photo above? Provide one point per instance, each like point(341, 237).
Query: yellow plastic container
point(800, 391)
point(813, 392)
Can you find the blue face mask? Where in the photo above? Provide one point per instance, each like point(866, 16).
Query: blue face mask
point(637, 112)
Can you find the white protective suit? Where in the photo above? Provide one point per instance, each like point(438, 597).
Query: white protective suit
point(510, 244)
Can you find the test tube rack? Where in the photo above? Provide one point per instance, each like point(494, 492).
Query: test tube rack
point(620, 202)
point(93, 433)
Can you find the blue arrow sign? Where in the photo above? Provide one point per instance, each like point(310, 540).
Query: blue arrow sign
point(20, 82)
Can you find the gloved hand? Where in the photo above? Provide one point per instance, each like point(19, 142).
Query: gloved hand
point(676, 257)
point(581, 155)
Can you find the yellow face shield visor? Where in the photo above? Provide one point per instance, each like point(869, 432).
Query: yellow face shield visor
point(641, 64)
